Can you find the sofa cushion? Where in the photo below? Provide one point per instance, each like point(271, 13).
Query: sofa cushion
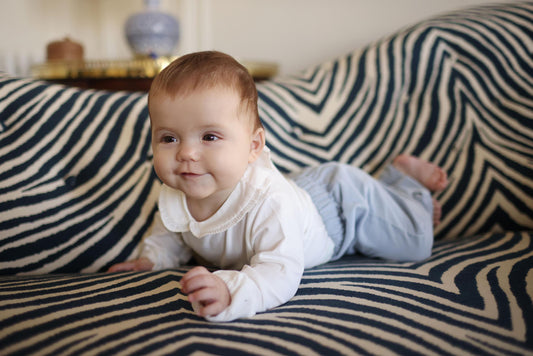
point(469, 298)
point(77, 188)
point(456, 90)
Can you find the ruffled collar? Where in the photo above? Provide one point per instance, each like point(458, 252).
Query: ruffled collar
point(250, 190)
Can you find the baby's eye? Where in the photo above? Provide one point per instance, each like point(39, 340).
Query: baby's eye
point(209, 137)
point(168, 139)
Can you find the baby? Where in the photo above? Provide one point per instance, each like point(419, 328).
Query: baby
point(224, 202)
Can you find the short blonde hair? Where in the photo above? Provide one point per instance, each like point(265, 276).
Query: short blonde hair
point(206, 70)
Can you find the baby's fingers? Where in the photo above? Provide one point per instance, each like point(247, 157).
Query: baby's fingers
point(212, 309)
point(141, 264)
point(196, 278)
point(196, 271)
point(203, 296)
point(122, 267)
point(206, 302)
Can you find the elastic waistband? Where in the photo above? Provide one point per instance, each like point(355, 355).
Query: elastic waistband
point(325, 203)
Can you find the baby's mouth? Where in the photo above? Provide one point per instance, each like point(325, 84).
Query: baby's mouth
point(190, 175)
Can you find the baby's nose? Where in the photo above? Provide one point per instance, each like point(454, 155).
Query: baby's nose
point(187, 152)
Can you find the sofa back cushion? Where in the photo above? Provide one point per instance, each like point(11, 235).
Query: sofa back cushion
point(77, 188)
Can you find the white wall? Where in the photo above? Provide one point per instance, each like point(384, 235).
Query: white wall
point(300, 33)
point(293, 33)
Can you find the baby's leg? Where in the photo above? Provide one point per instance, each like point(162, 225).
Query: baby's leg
point(387, 218)
point(428, 174)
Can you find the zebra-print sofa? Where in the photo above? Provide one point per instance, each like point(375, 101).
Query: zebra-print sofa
point(77, 194)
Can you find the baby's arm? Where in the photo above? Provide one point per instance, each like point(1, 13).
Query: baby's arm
point(161, 249)
point(274, 269)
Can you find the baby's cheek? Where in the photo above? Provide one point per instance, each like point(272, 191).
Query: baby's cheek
point(162, 165)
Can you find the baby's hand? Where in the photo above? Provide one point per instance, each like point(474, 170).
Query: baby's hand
point(141, 264)
point(206, 290)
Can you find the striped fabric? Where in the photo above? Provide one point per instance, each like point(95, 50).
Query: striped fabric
point(78, 192)
point(470, 297)
point(77, 188)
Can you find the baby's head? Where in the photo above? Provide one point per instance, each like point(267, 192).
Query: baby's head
point(208, 70)
point(205, 128)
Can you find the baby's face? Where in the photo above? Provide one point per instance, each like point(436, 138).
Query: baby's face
point(202, 144)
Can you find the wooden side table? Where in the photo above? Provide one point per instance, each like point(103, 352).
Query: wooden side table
point(130, 75)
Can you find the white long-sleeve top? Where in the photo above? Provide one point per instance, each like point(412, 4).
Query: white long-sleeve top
point(262, 238)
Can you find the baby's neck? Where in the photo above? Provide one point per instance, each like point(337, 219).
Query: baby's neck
point(203, 209)
point(199, 213)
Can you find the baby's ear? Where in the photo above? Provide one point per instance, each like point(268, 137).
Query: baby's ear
point(257, 144)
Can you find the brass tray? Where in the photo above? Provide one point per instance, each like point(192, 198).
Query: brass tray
point(129, 68)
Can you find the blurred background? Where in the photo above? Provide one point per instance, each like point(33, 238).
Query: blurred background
point(294, 34)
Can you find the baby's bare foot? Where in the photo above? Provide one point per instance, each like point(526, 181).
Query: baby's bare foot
point(437, 212)
point(428, 174)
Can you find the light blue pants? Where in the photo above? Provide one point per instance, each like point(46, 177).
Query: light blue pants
point(389, 217)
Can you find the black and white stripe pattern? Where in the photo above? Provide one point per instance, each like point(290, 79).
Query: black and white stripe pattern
point(76, 182)
point(470, 297)
point(77, 192)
